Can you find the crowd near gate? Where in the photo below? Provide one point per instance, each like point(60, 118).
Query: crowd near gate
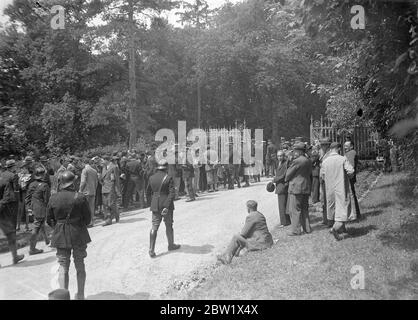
point(364, 138)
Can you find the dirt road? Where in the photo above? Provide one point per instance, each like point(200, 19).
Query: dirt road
point(118, 265)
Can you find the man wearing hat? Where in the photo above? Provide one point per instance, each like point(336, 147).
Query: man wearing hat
point(68, 213)
point(352, 157)
point(323, 154)
point(299, 177)
point(36, 202)
point(43, 163)
point(110, 188)
point(9, 194)
point(335, 170)
point(254, 236)
point(161, 192)
point(282, 188)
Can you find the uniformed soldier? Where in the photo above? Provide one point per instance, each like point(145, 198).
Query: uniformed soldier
point(136, 183)
point(69, 214)
point(9, 194)
point(161, 191)
point(282, 188)
point(36, 200)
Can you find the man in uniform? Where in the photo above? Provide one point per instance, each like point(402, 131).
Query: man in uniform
point(43, 162)
point(36, 200)
point(299, 177)
point(254, 236)
point(323, 154)
point(9, 194)
point(352, 157)
point(69, 214)
point(88, 185)
point(161, 192)
point(281, 188)
point(110, 189)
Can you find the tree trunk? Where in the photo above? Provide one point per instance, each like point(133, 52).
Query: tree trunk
point(132, 79)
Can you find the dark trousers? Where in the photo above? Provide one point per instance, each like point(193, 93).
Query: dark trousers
point(283, 215)
point(324, 202)
point(38, 226)
point(299, 210)
point(353, 191)
point(237, 243)
point(188, 185)
point(315, 189)
point(139, 185)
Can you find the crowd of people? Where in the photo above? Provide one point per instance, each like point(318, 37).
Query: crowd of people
point(70, 197)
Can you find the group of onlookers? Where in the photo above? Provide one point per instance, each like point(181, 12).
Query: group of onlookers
point(321, 173)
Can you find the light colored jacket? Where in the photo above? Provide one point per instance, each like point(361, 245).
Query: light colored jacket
point(89, 181)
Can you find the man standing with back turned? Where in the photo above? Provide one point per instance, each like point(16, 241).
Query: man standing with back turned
point(161, 189)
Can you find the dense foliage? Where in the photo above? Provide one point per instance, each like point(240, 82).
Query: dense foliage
point(272, 64)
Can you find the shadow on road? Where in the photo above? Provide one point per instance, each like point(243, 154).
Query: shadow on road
point(31, 263)
point(130, 220)
point(185, 248)
point(108, 295)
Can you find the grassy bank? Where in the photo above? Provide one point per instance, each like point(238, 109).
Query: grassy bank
point(315, 266)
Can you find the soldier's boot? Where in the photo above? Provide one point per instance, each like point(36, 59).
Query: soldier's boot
point(11, 240)
point(170, 237)
point(152, 240)
point(81, 281)
point(32, 246)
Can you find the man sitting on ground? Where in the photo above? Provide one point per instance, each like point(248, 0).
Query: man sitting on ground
point(254, 236)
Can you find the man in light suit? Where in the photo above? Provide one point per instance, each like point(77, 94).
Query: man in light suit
point(88, 185)
point(254, 236)
point(110, 189)
point(299, 176)
point(282, 188)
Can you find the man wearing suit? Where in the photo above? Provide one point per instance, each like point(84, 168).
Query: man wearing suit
point(254, 236)
point(69, 214)
point(282, 188)
point(161, 192)
point(88, 185)
point(352, 157)
point(110, 189)
point(299, 176)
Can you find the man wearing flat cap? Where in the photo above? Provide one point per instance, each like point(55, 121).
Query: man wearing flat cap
point(323, 154)
point(162, 193)
point(299, 177)
point(254, 236)
point(9, 194)
point(335, 171)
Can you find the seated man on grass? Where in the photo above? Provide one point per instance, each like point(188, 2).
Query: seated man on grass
point(254, 236)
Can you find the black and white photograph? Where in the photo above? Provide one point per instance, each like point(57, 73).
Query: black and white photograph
point(208, 155)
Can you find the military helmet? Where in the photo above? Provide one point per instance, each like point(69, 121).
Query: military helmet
point(67, 179)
